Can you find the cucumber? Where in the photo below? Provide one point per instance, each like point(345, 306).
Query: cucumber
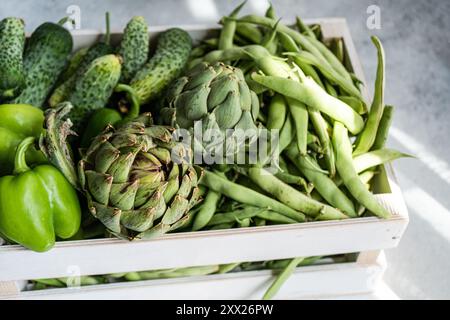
point(45, 57)
point(172, 53)
point(134, 47)
point(62, 92)
point(74, 63)
point(12, 42)
point(94, 88)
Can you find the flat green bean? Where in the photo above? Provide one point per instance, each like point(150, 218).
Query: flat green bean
point(207, 210)
point(367, 137)
point(247, 196)
point(300, 115)
point(322, 183)
point(292, 197)
point(281, 279)
point(228, 29)
point(249, 31)
point(349, 175)
point(337, 47)
point(383, 128)
point(274, 217)
point(225, 268)
point(235, 216)
point(276, 115)
point(262, 222)
point(374, 158)
point(286, 134)
point(358, 105)
point(222, 226)
point(330, 57)
point(303, 27)
point(366, 176)
point(311, 94)
point(177, 272)
point(329, 73)
point(320, 128)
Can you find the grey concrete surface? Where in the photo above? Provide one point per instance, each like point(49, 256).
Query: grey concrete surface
point(416, 38)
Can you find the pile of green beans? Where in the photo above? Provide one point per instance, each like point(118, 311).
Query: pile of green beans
point(330, 142)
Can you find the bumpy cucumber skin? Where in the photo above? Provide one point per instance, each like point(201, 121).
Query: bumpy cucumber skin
point(134, 47)
point(171, 55)
point(94, 88)
point(74, 63)
point(12, 43)
point(63, 91)
point(45, 57)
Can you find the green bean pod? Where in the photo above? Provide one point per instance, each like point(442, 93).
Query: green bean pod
point(247, 196)
point(277, 113)
point(281, 278)
point(349, 175)
point(311, 94)
point(300, 115)
point(383, 128)
point(228, 29)
point(208, 208)
point(292, 197)
point(322, 183)
point(367, 137)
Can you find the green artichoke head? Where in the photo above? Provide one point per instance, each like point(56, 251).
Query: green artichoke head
point(217, 96)
point(138, 180)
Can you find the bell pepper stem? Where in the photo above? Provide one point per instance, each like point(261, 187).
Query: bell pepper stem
point(132, 97)
point(20, 164)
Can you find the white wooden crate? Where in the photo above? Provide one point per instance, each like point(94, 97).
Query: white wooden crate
point(104, 256)
point(328, 281)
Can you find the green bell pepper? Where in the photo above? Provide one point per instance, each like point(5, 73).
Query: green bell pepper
point(18, 121)
point(107, 116)
point(37, 204)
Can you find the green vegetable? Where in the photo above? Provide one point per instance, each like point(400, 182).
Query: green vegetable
point(292, 197)
point(320, 127)
point(383, 128)
point(45, 57)
point(277, 113)
point(171, 55)
point(73, 64)
point(106, 116)
point(37, 204)
point(247, 196)
point(322, 183)
point(249, 32)
point(18, 121)
point(228, 30)
point(207, 210)
point(313, 95)
point(348, 173)
point(99, 49)
point(299, 113)
point(12, 42)
point(374, 158)
point(94, 88)
point(367, 137)
point(131, 182)
point(218, 96)
point(134, 47)
point(281, 278)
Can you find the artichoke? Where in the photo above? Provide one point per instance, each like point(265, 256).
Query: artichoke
point(137, 180)
point(218, 96)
